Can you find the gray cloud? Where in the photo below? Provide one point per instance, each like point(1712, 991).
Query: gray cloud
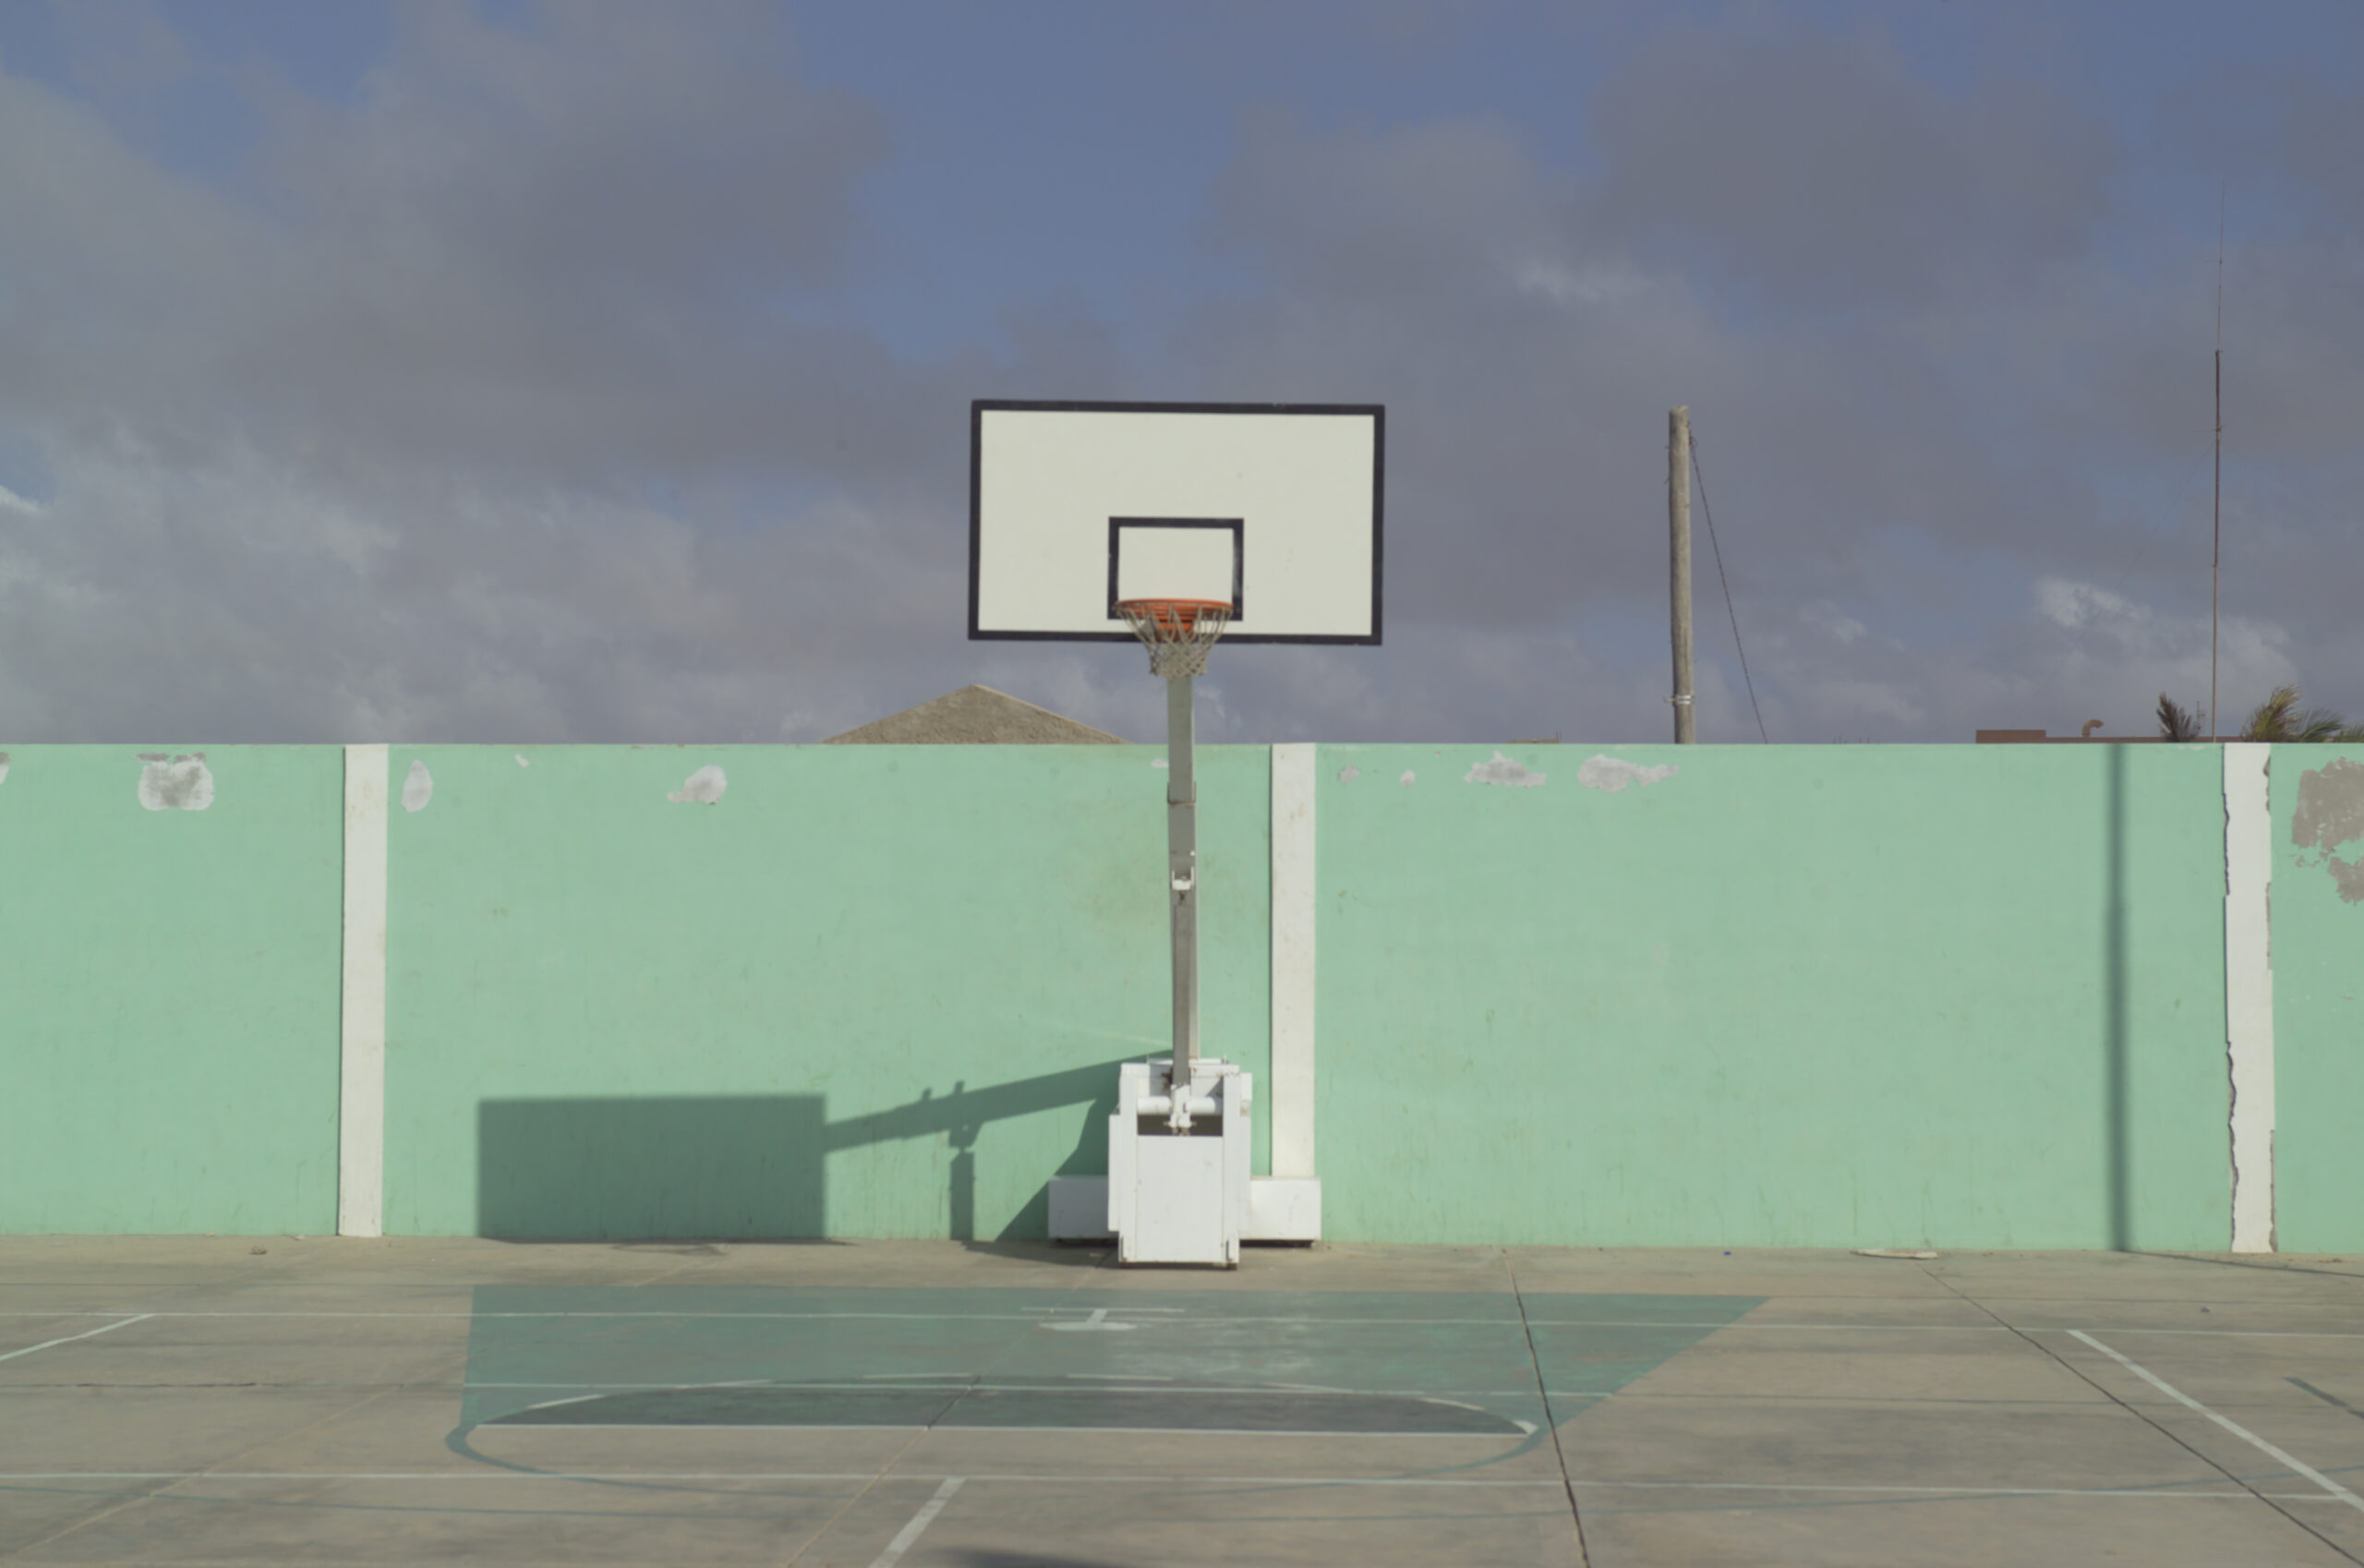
point(521, 399)
point(1821, 170)
point(490, 413)
point(561, 257)
point(1930, 396)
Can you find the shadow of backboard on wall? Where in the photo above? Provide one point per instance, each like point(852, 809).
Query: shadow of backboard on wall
point(625, 1168)
point(751, 1167)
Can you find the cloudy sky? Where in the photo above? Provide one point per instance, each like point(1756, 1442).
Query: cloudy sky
point(477, 371)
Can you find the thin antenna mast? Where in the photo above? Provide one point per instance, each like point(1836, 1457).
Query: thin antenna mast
point(2216, 492)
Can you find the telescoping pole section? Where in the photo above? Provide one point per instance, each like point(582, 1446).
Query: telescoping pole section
point(1182, 878)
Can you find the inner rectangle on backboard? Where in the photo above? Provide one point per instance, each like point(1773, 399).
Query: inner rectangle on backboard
point(1176, 558)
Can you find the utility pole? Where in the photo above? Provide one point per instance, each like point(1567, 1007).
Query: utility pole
point(1678, 521)
point(2216, 494)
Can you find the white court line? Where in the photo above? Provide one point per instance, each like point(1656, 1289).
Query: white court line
point(1102, 1382)
point(2300, 1465)
point(1910, 1491)
point(1189, 1319)
point(554, 1404)
point(1167, 1479)
point(68, 1339)
point(867, 1377)
point(1742, 1326)
point(828, 1476)
point(1738, 1323)
point(2242, 1334)
point(1271, 1390)
point(920, 1521)
point(504, 1423)
point(781, 1476)
point(1141, 1379)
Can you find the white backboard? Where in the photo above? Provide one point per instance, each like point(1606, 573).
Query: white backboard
point(1276, 507)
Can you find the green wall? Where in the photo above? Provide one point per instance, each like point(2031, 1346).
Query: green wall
point(1784, 997)
point(2318, 1006)
point(1789, 996)
point(168, 984)
point(874, 991)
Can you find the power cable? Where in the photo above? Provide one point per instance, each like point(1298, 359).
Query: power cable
point(1710, 513)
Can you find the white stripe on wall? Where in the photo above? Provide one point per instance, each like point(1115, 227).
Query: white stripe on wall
point(361, 1100)
point(1294, 900)
point(2249, 990)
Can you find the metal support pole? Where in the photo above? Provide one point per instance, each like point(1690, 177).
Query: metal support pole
point(1678, 518)
point(1182, 879)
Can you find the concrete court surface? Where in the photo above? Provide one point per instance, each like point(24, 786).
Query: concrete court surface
point(276, 1399)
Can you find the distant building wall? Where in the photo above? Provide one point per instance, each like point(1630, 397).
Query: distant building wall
point(1859, 995)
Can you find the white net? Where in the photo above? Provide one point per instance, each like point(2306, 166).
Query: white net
point(1177, 632)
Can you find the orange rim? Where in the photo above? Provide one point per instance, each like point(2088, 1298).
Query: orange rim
point(1172, 618)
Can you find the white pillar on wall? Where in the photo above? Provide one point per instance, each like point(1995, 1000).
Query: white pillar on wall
point(2249, 990)
point(1295, 898)
point(361, 1094)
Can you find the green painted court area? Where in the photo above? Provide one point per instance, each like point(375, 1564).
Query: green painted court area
point(1273, 1362)
point(255, 1402)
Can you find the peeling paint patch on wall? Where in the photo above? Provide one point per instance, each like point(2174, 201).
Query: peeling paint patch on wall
point(1409, 777)
point(703, 787)
point(418, 787)
point(1502, 770)
point(4, 768)
point(175, 783)
point(2329, 817)
point(521, 762)
point(1613, 774)
point(1157, 762)
point(1348, 775)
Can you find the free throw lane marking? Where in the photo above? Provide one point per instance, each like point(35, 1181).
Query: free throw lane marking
point(87, 1333)
point(910, 1533)
point(2300, 1465)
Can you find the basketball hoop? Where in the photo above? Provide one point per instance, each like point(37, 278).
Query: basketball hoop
point(1083, 512)
point(1177, 632)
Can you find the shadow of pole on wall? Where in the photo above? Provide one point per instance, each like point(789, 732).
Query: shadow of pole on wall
point(747, 1167)
point(961, 1115)
point(2114, 1085)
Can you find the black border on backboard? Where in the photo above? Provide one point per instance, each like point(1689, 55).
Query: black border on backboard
point(979, 407)
point(1117, 525)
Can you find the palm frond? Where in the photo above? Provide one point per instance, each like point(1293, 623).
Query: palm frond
point(2177, 722)
point(2270, 720)
point(2320, 724)
point(2280, 718)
